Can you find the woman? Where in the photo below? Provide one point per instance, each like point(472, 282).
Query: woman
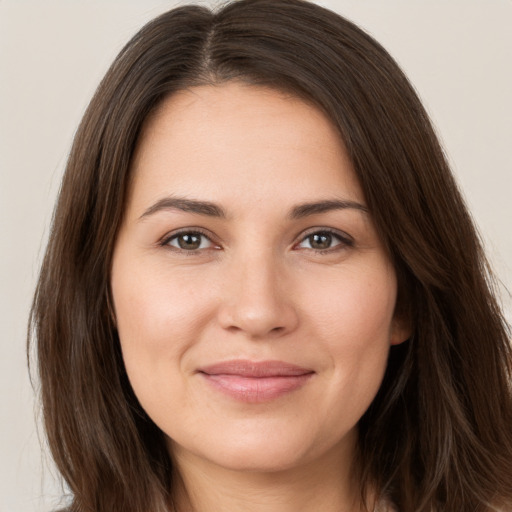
point(263, 290)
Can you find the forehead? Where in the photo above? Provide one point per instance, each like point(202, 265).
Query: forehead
point(234, 138)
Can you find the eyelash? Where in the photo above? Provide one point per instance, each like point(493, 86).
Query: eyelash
point(344, 240)
point(166, 241)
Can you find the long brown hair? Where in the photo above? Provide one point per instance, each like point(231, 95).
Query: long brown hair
point(438, 436)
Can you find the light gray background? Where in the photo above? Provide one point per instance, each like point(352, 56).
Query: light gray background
point(458, 53)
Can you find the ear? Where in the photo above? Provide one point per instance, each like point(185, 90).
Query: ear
point(401, 330)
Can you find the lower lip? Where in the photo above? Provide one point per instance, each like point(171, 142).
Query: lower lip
point(256, 389)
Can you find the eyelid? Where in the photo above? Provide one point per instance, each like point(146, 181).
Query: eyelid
point(164, 241)
point(344, 238)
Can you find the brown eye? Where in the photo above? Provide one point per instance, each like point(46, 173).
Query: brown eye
point(320, 240)
point(324, 241)
point(190, 241)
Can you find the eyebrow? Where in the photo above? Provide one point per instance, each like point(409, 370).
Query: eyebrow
point(304, 210)
point(210, 209)
point(186, 205)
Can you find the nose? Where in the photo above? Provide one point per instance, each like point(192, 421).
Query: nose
point(257, 300)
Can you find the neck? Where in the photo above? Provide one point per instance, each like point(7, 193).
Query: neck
point(326, 484)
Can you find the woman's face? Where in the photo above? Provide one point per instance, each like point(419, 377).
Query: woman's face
point(254, 300)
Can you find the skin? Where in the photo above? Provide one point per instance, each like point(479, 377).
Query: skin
point(258, 287)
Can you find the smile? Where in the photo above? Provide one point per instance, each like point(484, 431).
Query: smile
point(255, 382)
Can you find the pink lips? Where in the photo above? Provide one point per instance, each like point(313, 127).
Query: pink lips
point(255, 382)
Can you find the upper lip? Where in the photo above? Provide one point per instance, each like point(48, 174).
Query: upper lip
point(255, 369)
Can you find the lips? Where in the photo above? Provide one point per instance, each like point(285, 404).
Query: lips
point(255, 382)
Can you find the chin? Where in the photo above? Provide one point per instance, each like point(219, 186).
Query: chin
point(266, 459)
point(265, 451)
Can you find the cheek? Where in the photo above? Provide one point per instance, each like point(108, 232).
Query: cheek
point(154, 309)
point(158, 321)
point(354, 320)
point(357, 306)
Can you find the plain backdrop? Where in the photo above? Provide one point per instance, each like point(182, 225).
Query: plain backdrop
point(458, 53)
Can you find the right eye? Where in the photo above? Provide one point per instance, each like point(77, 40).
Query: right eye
point(189, 241)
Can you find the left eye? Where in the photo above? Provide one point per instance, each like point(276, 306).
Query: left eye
point(322, 241)
point(190, 241)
